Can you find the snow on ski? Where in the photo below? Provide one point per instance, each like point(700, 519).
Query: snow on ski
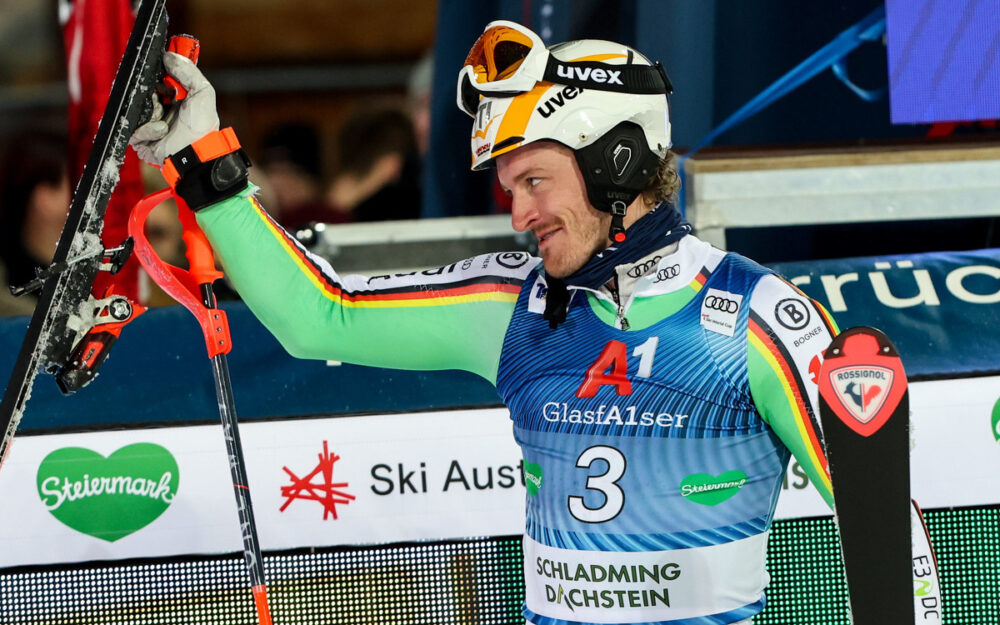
point(65, 310)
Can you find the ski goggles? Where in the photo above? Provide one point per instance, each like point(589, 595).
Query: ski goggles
point(508, 59)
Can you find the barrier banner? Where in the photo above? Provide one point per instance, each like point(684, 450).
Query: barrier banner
point(372, 479)
point(940, 309)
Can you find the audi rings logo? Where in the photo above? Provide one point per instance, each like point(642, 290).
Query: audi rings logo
point(512, 260)
point(641, 268)
point(714, 302)
point(666, 273)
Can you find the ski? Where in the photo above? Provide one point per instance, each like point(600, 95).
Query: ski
point(70, 330)
point(864, 412)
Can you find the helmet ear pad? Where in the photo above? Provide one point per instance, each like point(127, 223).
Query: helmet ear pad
point(616, 167)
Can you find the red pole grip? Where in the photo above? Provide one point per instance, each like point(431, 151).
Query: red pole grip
point(184, 45)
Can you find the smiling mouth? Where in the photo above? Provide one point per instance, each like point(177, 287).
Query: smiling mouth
point(544, 237)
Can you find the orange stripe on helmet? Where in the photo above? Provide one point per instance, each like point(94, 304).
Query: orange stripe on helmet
point(515, 119)
point(598, 57)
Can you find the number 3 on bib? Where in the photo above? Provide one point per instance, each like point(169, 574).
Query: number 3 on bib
point(606, 484)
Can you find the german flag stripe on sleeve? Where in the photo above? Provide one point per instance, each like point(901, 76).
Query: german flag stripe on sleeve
point(699, 280)
point(465, 290)
point(781, 363)
point(828, 321)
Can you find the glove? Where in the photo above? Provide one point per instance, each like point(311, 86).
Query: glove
point(193, 118)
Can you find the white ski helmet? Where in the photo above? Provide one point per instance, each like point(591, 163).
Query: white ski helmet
point(603, 100)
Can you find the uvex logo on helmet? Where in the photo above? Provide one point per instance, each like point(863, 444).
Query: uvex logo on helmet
point(598, 75)
point(553, 104)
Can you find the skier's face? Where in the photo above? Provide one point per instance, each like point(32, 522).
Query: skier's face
point(549, 198)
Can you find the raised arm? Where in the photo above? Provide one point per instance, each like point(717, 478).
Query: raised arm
point(452, 317)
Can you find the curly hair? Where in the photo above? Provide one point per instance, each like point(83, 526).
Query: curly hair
point(665, 184)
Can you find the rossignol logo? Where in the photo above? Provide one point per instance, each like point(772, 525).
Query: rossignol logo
point(108, 497)
point(598, 75)
point(862, 389)
point(552, 104)
point(318, 486)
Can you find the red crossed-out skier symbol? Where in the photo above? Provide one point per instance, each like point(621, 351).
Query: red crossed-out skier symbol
point(327, 492)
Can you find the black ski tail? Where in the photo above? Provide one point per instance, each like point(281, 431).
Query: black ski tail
point(864, 411)
point(62, 314)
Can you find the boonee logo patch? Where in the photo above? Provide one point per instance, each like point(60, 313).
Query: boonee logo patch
point(512, 260)
point(792, 313)
point(108, 498)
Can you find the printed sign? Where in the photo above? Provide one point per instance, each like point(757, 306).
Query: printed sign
point(108, 497)
point(380, 479)
point(862, 379)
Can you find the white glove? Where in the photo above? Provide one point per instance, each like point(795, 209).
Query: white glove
point(193, 118)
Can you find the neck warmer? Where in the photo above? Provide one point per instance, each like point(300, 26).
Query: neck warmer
point(660, 227)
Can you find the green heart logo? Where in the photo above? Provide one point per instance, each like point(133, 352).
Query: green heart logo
point(532, 477)
point(711, 490)
point(112, 497)
point(996, 420)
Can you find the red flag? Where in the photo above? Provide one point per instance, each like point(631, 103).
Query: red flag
point(95, 33)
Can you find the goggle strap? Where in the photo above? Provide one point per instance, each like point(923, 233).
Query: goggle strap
point(638, 79)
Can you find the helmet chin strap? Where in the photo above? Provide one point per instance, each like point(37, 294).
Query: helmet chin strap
point(617, 231)
point(616, 168)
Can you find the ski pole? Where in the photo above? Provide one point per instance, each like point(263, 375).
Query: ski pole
point(193, 289)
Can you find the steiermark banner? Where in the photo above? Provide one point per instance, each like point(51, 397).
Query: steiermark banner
point(387, 478)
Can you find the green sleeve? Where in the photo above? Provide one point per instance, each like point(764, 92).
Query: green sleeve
point(787, 335)
point(453, 317)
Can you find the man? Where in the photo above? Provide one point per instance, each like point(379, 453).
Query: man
point(656, 384)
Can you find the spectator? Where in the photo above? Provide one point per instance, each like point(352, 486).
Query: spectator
point(418, 100)
point(378, 175)
point(292, 164)
point(34, 199)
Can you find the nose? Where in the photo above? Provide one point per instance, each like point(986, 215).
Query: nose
point(523, 213)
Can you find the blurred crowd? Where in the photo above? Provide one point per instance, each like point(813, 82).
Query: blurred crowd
point(378, 153)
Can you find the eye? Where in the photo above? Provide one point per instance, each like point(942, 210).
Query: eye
point(533, 182)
